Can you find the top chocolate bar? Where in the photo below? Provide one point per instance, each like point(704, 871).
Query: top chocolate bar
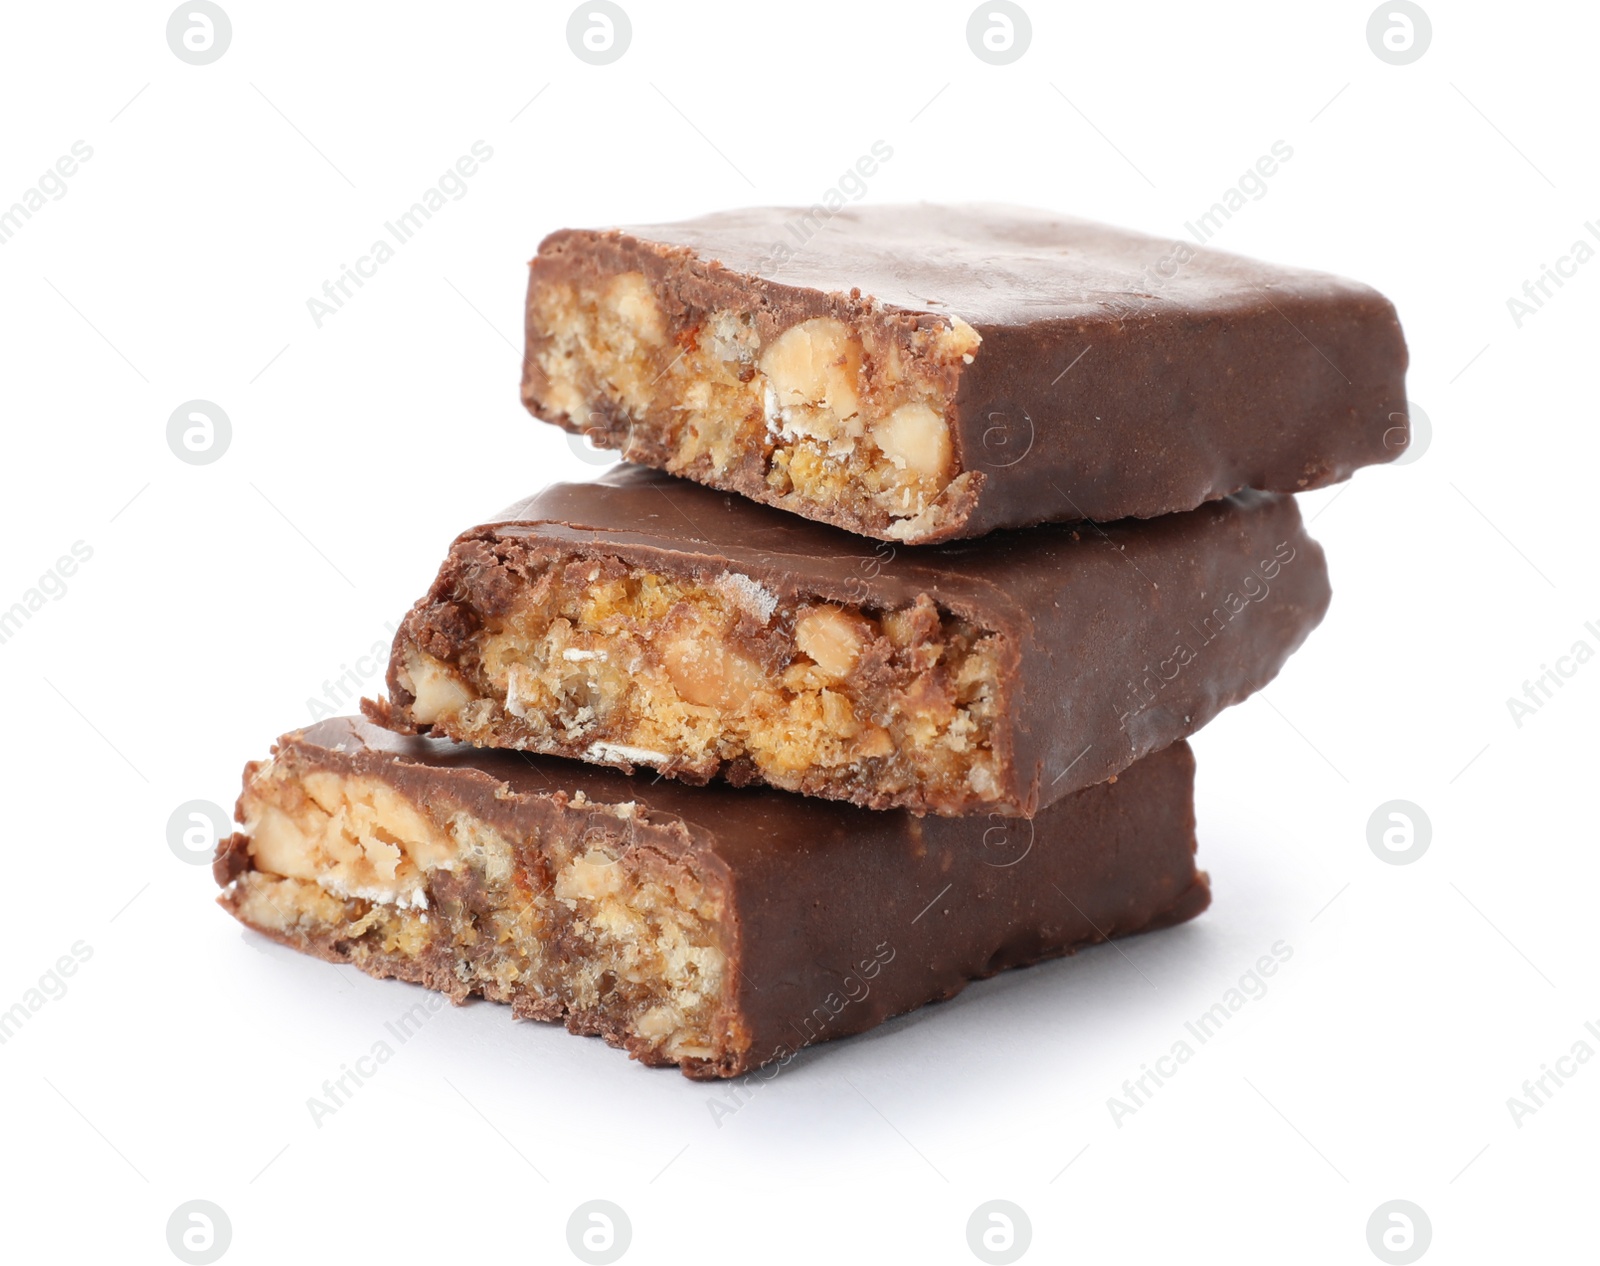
point(921, 373)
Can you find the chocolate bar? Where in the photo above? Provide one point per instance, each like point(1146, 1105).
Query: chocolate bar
point(718, 929)
point(643, 620)
point(921, 373)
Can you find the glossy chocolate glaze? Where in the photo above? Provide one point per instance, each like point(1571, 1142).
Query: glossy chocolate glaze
point(816, 889)
point(1119, 375)
point(1120, 639)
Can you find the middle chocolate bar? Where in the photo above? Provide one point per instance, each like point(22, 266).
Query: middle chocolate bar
point(643, 620)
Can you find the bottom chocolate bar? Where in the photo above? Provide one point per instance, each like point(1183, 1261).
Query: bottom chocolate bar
point(716, 928)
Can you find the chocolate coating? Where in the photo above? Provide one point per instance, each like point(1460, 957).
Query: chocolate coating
point(814, 889)
point(1119, 639)
point(1119, 375)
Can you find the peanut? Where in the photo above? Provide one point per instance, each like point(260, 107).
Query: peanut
point(832, 638)
point(710, 675)
point(435, 689)
point(915, 439)
point(815, 363)
point(630, 297)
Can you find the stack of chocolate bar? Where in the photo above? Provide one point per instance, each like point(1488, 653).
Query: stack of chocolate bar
point(873, 675)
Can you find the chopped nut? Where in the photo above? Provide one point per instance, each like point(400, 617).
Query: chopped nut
point(590, 877)
point(817, 363)
point(607, 938)
point(731, 337)
point(832, 638)
point(694, 391)
point(838, 715)
point(960, 340)
point(983, 783)
point(802, 676)
point(873, 741)
point(357, 838)
point(915, 438)
point(899, 628)
point(667, 679)
point(709, 674)
point(630, 296)
point(657, 1022)
point(437, 691)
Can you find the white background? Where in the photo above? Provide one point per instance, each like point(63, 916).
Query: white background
point(219, 598)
